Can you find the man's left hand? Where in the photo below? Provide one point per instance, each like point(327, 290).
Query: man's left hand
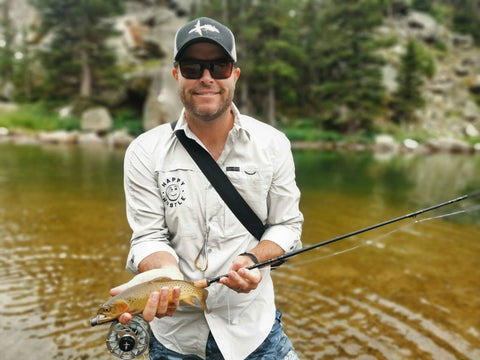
point(241, 279)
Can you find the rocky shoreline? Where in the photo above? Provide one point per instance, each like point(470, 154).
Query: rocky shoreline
point(383, 143)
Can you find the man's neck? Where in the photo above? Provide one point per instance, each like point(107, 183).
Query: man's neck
point(213, 133)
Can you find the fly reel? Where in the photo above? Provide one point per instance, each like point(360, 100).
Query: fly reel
point(128, 341)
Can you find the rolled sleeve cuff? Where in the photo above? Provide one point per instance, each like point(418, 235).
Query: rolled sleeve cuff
point(287, 239)
point(141, 250)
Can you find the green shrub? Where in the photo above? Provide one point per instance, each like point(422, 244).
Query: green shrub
point(37, 116)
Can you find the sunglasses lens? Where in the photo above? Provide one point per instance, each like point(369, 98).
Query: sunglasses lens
point(194, 69)
point(221, 70)
point(191, 70)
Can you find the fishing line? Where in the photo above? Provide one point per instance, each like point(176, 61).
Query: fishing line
point(462, 211)
point(382, 236)
point(365, 243)
point(282, 258)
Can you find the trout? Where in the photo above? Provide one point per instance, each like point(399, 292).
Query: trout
point(134, 299)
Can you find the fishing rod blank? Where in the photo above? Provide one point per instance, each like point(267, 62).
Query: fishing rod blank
point(282, 258)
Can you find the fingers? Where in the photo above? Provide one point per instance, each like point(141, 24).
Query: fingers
point(115, 291)
point(243, 280)
point(161, 304)
point(125, 318)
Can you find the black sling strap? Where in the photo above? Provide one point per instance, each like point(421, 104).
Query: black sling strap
point(222, 184)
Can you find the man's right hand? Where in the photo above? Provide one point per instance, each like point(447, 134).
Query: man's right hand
point(158, 304)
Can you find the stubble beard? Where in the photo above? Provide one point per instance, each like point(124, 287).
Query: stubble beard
point(193, 110)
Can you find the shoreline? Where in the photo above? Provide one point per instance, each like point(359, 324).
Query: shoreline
point(383, 143)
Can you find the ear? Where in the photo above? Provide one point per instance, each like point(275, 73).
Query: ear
point(175, 73)
point(236, 73)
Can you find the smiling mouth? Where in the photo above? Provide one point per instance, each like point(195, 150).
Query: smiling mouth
point(206, 94)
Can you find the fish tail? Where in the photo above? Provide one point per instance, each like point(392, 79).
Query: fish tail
point(203, 303)
point(203, 300)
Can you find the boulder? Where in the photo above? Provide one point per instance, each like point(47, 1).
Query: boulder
point(448, 145)
point(462, 41)
point(424, 27)
point(90, 138)
point(475, 86)
point(385, 143)
point(119, 138)
point(470, 111)
point(410, 144)
point(96, 119)
point(58, 137)
point(471, 131)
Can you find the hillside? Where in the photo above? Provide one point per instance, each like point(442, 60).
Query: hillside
point(144, 49)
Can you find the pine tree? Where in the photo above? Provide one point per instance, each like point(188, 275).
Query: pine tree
point(347, 91)
point(422, 5)
point(466, 18)
point(77, 61)
point(268, 50)
point(6, 47)
point(408, 96)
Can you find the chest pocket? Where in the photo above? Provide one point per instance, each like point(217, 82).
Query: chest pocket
point(252, 183)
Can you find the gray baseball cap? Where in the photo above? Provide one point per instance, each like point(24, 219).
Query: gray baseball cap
point(204, 30)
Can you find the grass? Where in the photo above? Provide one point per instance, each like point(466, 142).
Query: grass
point(37, 117)
point(45, 117)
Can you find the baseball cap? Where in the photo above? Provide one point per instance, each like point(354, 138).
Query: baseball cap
point(204, 29)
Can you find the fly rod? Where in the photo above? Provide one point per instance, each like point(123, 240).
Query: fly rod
point(282, 258)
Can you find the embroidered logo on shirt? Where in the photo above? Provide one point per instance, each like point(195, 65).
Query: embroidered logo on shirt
point(173, 194)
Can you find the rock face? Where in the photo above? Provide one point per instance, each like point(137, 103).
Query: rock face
point(450, 110)
point(97, 120)
point(148, 31)
point(162, 104)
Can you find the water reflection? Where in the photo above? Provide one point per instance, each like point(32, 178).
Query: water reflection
point(411, 294)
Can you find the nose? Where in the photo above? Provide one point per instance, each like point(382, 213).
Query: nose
point(206, 76)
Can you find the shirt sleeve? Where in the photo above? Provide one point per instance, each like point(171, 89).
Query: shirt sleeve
point(284, 221)
point(144, 205)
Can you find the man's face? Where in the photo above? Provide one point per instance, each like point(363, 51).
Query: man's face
point(205, 98)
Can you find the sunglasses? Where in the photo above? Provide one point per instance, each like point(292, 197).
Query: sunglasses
point(193, 69)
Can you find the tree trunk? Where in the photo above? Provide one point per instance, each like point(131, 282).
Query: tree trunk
point(270, 115)
point(86, 75)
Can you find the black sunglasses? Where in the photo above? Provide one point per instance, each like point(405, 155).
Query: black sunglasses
point(193, 69)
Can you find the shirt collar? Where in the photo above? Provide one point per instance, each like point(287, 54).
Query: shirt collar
point(238, 125)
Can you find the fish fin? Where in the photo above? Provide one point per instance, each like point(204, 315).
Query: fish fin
point(201, 300)
point(123, 305)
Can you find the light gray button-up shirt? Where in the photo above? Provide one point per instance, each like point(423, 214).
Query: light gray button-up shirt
point(172, 207)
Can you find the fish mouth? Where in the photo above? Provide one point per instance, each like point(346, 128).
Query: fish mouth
point(100, 319)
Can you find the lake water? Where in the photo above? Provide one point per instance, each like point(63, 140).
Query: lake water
point(410, 290)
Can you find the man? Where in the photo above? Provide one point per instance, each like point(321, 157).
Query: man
point(183, 229)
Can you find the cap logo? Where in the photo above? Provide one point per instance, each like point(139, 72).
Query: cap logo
point(207, 27)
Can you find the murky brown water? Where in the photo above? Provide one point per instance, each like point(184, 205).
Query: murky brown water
point(406, 291)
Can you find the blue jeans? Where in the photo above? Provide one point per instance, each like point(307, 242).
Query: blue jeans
point(276, 346)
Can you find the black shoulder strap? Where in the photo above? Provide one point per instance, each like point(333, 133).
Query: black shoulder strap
point(222, 184)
